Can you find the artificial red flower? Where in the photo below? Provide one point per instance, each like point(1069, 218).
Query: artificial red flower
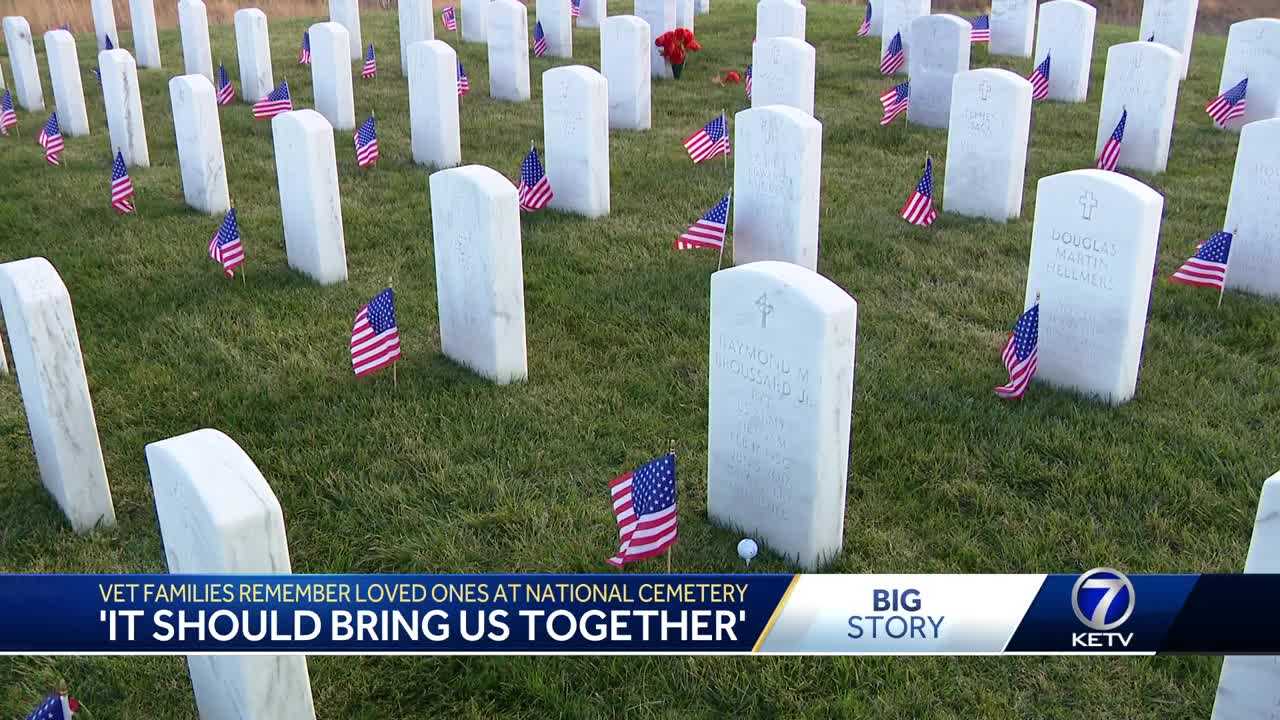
point(676, 43)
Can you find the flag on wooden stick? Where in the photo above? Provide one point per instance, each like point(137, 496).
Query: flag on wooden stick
point(709, 230)
point(375, 338)
point(644, 505)
point(1208, 267)
point(918, 209)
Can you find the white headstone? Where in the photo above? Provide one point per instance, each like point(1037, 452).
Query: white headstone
point(1253, 211)
point(1093, 247)
point(433, 104)
point(593, 12)
point(779, 18)
point(475, 226)
point(64, 75)
point(199, 137)
point(987, 144)
point(575, 122)
point(624, 62)
point(1253, 52)
point(557, 25)
point(417, 24)
point(942, 51)
point(782, 73)
point(347, 14)
point(146, 41)
point(331, 75)
point(124, 107)
point(508, 28)
point(1013, 23)
point(776, 179)
point(684, 14)
point(473, 20)
point(1172, 23)
point(307, 174)
point(254, 51)
point(218, 515)
point(877, 17)
point(661, 17)
point(104, 22)
point(2, 85)
point(1065, 36)
point(1249, 688)
point(22, 60)
point(1141, 77)
point(898, 16)
point(193, 21)
point(780, 408)
point(55, 392)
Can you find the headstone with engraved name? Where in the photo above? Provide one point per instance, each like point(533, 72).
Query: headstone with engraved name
point(898, 16)
point(987, 144)
point(780, 18)
point(68, 88)
point(624, 62)
point(1141, 78)
point(124, 107)
point(782, 73)
point(1253, 52)
point(1013, 23)
point(347, 14)
point(942, 51)
point(508, 40)
point(433, 104)
point(1065, 36)
point(1171, 23)
point(661, 17)
point(557, 25)
point(417, 24)
point(575, 122)
point(198, 133)
point(22, 61)
point(1253, 211)
point(310, 204)
point(776, 179)
point(253, 48)
point(331, 75)
point(193, 22)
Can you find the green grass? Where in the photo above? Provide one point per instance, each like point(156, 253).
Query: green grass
point(449, 473)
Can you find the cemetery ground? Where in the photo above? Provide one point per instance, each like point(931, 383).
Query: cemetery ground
point(446, 472)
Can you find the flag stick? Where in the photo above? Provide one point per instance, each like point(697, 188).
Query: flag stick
point(725, 240)
point(1223, 290)
point(725, 118)
point(395, 377)
point(672, 547)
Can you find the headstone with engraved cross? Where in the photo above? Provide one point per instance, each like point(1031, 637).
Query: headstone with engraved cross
point(776, 180)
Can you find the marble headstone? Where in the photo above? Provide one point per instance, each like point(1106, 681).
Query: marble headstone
point(22, 61)
point(1253, 211)
point(1013, 23)
point(55, 391)
point(417, 24)
point(307, 174)
point(593, 12)
point(347, 14)
point(702, 7)
point(1065, 35)
point(782, 73)
point(661, 17)
point(193, 21)
point(776, 178)
point(104, 22)
point(684, 14)
point(124, 107)
point(146, 41)
point(217, 514)
point(64, 75)
point(558, 27)
point(942, 51)
point(254, 51)
point(1143, 78)
point(508, 29)
point(473, 20)
point(877, 17)
point(2, 85)
point(433, 104)
point(898, 16)
point(780, 408)
point(780, 18)
point(1093, 246)
point(475, 226)
point(331, 75)
point(987, 144)
point(624, 62)
point(1253, 51)
point(1173, 23)
point(575, 122)
point(199, 137)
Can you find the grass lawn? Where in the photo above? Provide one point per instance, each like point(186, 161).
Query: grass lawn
point(449, 473)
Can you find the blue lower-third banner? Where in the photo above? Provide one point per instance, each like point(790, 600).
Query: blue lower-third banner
point(1102, 611)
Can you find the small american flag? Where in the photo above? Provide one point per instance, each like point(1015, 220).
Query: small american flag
point(708, 231)
point(225, 247)
point(575, 8)
point(644, 504)
point(450, 18)
point(981, 30)
point(8, 118)
point(539, 40)
point(370, 68)
point(304, 55)
point(57, 706)
point(894, 58)
point(1021, 353)
point(464, 82)
point(1040, 80)
point(535, 189)
point(865, 28)
point(375, 339)
point(367, 144)
point(1111, 149)
point(275, 103)
point(747, 84)
point(121, 186)
point(1229, 105)
point(712, 140)
point(895, 100)
point(1152, 38)
point(1208, 267)
point(50, 138)
point(106, 39)
point(918, 209)
point(226, 91)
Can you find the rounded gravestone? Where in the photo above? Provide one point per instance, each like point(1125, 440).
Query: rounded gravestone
point(1065, 36)
point(782, 73)
point(253, 49)
point(941, 51)
point(417, 24)
point(1142, 78)
point(661, 17)
point(508, 39)
point(1013, 23)
point(575, 123)
point(1253, 211)
point(898, 15)
point(776, 178)
point(1253, 52)
point(624, 62)
point(987, 144)
point(780, 18)
point(1172, 23)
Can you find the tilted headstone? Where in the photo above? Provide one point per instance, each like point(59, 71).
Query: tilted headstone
point(475, 227)
point(473, 20)
point(661, 17)
point(193, 21)
point(1172, 23)
point(146, 41)
point(347, 14)
point(987, 144)
point(942, 51)
point(22, 60)
point(310, 205)
point(575, 122)
point(217, 514)
point(558, 27)
point(331, 75)
point(1253, 52)
point(780, 408)
point(1142, 78)
point(782, 73)
point(433, 104)
point(254, 51)
point(780, 18)
point(55, 391)
point(1253, 211)
point(593, 12)
point(508, 28)
point(1093, 246)
point(104, 22)
point(68, 88)
point(1065, 36)
point(1013, 23)
point(624, 62)
point(684, 14)
point(898, 16)
point(124, 106)
point(199, 137)
point(777, 175)
point(417, 24)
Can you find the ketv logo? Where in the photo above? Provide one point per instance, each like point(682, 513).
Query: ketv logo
point(1103, 600)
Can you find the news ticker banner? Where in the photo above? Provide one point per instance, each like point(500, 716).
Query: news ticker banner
point(1099, 612)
